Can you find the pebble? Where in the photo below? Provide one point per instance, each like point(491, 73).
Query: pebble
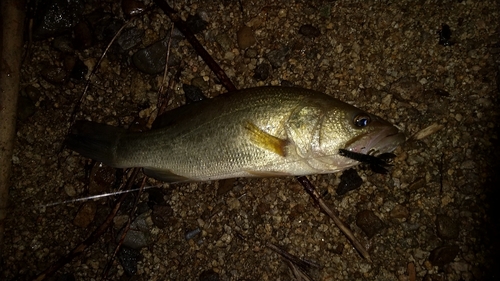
point(262, 72)
point(129, 258)
point(399, 212)
point(196, 24)
point(162, 216)
point(83, 36)
point(85, 214)
point(63, 44)
point(369, 223)
point(130, 38)
point(192, 93)
point(277, 57)
point(151, 59)
point(56, 17)
point(245, 37)
point(54, 74)
point(407, 88)
point(138, 236)
point(25, 108)
point(309, 30)
point(446, 227)
point(443, 255)
point(132, 8)
point(201, 84)
point(224, 41)
point(349, 180)
point(209, 275)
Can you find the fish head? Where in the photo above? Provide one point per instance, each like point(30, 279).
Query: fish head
point(372, 135)
point(347, 127)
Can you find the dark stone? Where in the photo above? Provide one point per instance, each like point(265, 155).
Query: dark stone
point(63, 44)
point(151, 59)
point(446, 227)
point(162, 216)
point(277, 57)
point(369, 223)
point(132, 8)
point(55, 17)
point(196, 24)
point(83, 36)
point(128, 259)
point(79, 70)
point(192, 93)
point(155, 197)
point(443, 255)
point(25, 108)
point(130, 38)
point(349, 180)
point(209, 275)
point(54, 74)
point(309, 30)
point(445, 35)
point(262, 71)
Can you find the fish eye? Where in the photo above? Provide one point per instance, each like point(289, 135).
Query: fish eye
point(362, 120)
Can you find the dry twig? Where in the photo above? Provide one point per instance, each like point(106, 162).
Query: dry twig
point(11, 46)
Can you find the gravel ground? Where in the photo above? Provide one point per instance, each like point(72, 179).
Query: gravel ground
point(432, 213)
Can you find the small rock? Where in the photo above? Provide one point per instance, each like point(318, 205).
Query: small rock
point(443, 255)
point(245, 37)
point(25, 108)
point(262, 71)
point(201, 84)
point(151, 59)
point(162, 216)
point(209, 275)
point(132, 8)
point(251, 53)
point(399, 212)
point(83, 36)
point(196, 24)
point(349, 180)
point(56, 17)
point(54, 74)
point(446, 227)
point(277, 57)
point(233, 203)
point(369, 223)
point(224, 41)
point(85, 214)
point(445, 35)
point(191, 234)
point(63, 44)
point(407, 88)
point(192, 93)
point(138, 236)
point(130, 38)
point(79, 70)
point(309, 30)
point(128, 259)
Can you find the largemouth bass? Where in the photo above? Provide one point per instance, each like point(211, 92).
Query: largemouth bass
point(265, 131)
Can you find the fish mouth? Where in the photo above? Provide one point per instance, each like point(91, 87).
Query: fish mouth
point(383, 140)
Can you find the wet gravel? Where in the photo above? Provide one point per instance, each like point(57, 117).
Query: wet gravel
point(419, 64)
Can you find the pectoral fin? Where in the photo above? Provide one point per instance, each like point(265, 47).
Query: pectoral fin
point(265, 140)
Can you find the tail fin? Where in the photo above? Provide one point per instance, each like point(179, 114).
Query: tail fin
point(95, 140)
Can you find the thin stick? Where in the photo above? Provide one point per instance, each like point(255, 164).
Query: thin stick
point(309, 187)
point(200, 50)
point(78, 250)
point(92, 73)
point(11, 48)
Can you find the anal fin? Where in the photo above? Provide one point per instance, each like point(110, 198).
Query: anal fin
point(165, 175)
